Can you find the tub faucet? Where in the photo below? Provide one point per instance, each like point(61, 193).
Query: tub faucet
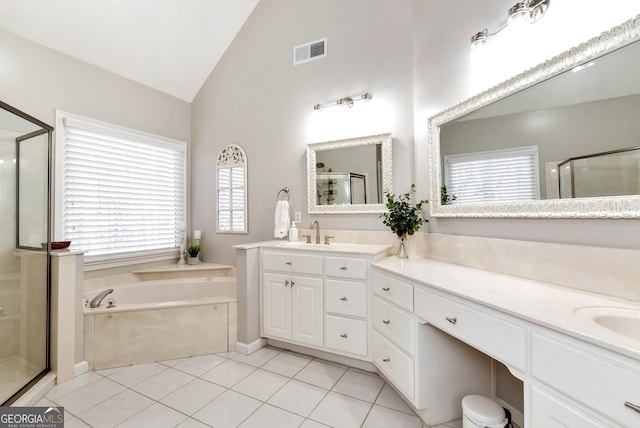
point(316, 225)
point(98, 299)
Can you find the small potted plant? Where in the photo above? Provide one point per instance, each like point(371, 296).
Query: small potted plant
point(403, 217)
point(193, 250)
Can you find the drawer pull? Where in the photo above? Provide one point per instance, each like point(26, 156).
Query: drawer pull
point(386, 360)
point(344, 299)
point(343, 335)
point(387, 322)
point(452, 320)
point(343, 268)
point(632, 406)
point(286, 282)
point(287, 263)
point(385, 289)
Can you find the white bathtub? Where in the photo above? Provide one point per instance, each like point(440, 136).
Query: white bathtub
point(161, 320)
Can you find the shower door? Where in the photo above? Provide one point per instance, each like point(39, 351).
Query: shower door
point(24, 251)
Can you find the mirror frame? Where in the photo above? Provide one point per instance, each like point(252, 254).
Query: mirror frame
point(387, 174)
point(601, 207)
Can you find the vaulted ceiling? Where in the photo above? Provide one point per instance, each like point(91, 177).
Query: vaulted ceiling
point(169, 45)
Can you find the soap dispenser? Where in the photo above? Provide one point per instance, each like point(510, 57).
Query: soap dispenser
point(293, 232)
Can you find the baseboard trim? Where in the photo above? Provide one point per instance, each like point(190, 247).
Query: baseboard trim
point(246, 349)
point(80, 368)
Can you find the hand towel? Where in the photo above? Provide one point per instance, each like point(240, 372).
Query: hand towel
point(281, 220)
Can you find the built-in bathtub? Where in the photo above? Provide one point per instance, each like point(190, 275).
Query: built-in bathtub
point(161, 320)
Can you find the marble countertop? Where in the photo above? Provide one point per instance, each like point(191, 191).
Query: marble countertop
point(333, 247)
point(544, 304)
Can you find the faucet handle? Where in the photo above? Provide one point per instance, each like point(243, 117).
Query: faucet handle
point(308, 238)
point(326, 239)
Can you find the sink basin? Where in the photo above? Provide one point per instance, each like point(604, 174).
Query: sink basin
point(622, 321)
point(334, 246)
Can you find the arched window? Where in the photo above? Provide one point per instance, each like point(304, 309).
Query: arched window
point(231, 177)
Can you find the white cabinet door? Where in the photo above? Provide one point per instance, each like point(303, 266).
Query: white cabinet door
point(306, 323)
point(276, 305)
point(551, 411)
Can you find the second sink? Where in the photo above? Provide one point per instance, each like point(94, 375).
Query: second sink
point(623, 321)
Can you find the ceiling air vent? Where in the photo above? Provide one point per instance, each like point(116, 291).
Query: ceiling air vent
point(309, 51)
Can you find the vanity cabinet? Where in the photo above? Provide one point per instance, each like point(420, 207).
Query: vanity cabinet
point(292, 303)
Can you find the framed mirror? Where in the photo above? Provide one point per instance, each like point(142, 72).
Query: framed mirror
point(349, 176)
point(557, 141)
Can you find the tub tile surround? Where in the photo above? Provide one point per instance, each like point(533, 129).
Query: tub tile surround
point(314, 394)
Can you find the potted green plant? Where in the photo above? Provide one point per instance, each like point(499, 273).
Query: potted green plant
point(193, 250)
point(403, 217)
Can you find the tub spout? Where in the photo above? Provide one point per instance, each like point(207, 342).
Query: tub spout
point(98, 299)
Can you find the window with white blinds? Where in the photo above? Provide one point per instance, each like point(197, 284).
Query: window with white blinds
point(493, 176)
point(232, 190)
point(122, 191)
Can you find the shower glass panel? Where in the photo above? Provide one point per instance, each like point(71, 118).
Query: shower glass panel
point(24, 251)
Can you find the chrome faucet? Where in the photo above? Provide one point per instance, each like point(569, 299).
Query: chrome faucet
point(98, 299)
point(316, 225)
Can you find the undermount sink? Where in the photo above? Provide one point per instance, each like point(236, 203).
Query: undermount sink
point(334, 246)
point(622, 321)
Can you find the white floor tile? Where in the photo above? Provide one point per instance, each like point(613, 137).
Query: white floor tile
point(192, 423)
point(287, 364)
point(271, 417)
point(228, 373)
point(258, 358)
point(193, 396)
point(133, 375)
point(389, 398)
point(88, 396)
point(156, 416)
point(109, 372)
point(116, 409)
point(260, 384)
point(74, 422)
point(359, 385)
point(198, 366)
point(172, 363)
point(308, 423)
point(72, 384)
point(321, 374)
point(381, 417)
point(163, 384)
point(340, 411)
point(228, 410)
point(454, 424)
point(298, 397)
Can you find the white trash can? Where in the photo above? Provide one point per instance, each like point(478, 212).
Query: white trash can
point(482, 412)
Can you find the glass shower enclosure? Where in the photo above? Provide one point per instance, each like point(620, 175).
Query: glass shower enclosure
point(25, 147)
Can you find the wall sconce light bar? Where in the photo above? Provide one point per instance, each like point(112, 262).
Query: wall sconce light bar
point(346, 101)
point(524, 11)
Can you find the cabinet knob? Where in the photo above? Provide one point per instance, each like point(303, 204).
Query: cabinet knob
point(287, 263)
point(387, 322)
point(343, 335)
point(452, 320)
point(343, 268)
point(632, 406)
point(385, 289)
point(293, 283)
point(286, 282)
point(344, 299)
point(386, 360)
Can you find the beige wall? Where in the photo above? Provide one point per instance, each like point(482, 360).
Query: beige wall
point(256, 98)
point(38, 80)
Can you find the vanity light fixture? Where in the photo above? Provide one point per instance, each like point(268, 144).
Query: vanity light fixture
point(346, 101)
point(527, 11)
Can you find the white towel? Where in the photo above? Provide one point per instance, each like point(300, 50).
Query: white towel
point(281, 220)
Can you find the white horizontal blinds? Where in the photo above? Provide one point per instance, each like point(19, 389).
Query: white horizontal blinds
point(121, 194)
point(232, 190)
point(494, 176)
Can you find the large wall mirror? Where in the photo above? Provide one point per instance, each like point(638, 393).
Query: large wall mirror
point(561, 140)
point(349, 176)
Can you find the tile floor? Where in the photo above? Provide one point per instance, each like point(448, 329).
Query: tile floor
point(269, 388)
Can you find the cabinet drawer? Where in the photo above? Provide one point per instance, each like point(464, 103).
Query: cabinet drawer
point(393, 323)
point(393, 290)
point(550, 410)
point(346, 298)
point(494, 336)
point(346, 335)
point(602, 382)
point(346, 267)
point(397, 366)
point(287, 262)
